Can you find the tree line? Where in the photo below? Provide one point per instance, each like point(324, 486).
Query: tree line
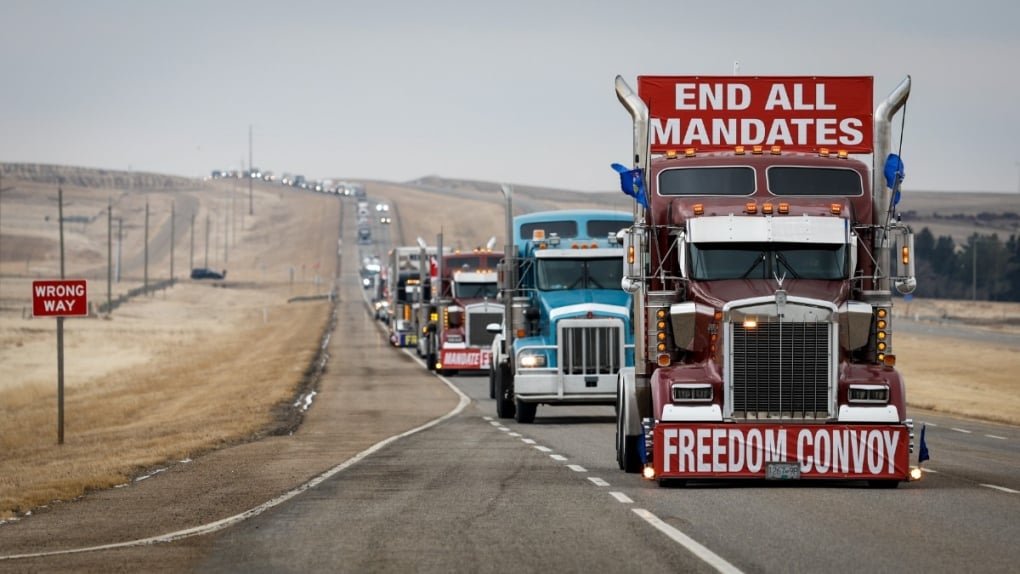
point(984, 267)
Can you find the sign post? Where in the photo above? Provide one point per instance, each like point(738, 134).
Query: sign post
point(60, 298)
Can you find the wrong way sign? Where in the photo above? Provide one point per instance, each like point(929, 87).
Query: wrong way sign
point(60, 298)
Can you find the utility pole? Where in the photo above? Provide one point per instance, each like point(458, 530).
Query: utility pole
point(172, 214)
point(109, 256)
point(251, 205)
point(973, 288)
point(120, 241)
point(145, 276)
point(206, 265)
point(191, 252)
point(60, 327)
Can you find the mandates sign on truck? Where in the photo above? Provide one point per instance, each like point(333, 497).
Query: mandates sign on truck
point(795, 113)
point(809, 451)
point(60, 298)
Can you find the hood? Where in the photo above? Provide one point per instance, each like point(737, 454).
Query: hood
point(556, 305)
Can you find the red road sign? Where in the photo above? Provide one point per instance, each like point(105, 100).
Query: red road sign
point(59, 298)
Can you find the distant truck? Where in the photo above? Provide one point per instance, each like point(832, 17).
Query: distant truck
point(760, 266)
point(407, 278)
point(462, 305)
point(565, 331)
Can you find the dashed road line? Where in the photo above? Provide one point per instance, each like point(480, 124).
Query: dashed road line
point(528, 440)
point(542, 448)
point(964, 431)
point(597, 481)
point(504, 429)
point(620, 497)
point(706, 555)
point(514, 434)
point(1001, 488)
point(996, 437)
point(558, 457)
point(577, 468)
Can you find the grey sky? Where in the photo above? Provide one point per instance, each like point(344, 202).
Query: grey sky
point(518, 91)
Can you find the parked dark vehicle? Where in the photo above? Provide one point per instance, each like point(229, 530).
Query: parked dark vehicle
point(204, 273)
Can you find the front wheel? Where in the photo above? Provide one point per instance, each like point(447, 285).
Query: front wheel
point(526, 412)
point(627, 456)
point(492, 383)
point(505, 408)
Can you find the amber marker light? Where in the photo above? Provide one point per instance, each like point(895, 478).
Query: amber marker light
point(843, 154)
point(766, 208)
point(751, 207)
point(671, 154)
point(784, 208)
point(775, 150)
point(757, 150)
point(836, 208)
point(824, 152)
point(739, 150)
point(689, 152)
point(699, 209)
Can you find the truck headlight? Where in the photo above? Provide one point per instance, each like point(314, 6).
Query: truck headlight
point(530, 361)
point(688, 393)
point(868, 394)
point(455, 338)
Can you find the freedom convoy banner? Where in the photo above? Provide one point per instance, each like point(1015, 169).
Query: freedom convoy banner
point(808, 451)
point(796, 113)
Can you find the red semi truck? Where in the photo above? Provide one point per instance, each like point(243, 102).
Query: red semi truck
point(760, 263)
point(464, 304)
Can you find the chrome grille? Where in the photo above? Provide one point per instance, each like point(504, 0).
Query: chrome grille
point(780, 370)
point(476, 323)
point(590, 350)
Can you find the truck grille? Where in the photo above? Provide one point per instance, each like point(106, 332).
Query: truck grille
point(590, 350)
point(476, 323)
point(780, 370)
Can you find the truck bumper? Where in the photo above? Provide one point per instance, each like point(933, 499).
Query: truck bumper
point(551, 388)
point(779, 450)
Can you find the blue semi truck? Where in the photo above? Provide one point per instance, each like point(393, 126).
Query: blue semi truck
point(566, 328)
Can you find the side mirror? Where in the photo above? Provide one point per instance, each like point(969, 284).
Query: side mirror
point(631, 280)
point(905, 280)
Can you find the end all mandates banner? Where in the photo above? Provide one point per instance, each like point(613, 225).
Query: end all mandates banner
point(796, 113)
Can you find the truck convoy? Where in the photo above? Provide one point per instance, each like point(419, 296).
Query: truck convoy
point(463, 305)
point(565, 329)
point(760, 265)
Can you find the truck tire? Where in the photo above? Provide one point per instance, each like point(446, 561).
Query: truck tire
point(505, 407)
point(525, 412)
point(492, 383)
point(430, 362)
point(627, 456)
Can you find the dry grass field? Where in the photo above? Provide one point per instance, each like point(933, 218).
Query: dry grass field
point(194, 367)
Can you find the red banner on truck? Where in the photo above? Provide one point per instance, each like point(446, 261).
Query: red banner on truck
point(60, 298)
point(795, 113)
point(776, 451)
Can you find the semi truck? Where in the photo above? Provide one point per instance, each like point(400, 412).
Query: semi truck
point(763, 259)
point(407, 280)
point(463, 306)
point(565, 330)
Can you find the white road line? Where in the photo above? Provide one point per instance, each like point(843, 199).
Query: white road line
point(706, 555)
point(558, 457)
point(597, 481)
point(964, 431)
point(543, 448)
point(621, 497)
point(1002, 488)
point(528, 440)
point(495, 423)
point(504, 429)
point(577, 468)
point(996, 437)
point(929, 471)
point(218, 525)
point(514, 434)
point(487, 418)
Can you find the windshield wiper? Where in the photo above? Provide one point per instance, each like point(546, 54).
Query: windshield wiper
point(758, 260)
point(782, 260)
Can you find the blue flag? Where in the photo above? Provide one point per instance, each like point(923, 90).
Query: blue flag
point(632, 183)
point(894, 174)
point(922, 455)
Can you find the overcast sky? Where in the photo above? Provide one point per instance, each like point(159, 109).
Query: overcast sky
point(517, 91)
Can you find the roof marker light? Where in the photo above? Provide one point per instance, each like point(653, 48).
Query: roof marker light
point(843, 154)
point(757, 150)
point(671, 154)
point(784, 207)
point(835, 208)
point(689, 152)
point(824, 152)
point(739, 150)
point(766, 208)
point(751, 207)
point(775, 150)
point(699, 209)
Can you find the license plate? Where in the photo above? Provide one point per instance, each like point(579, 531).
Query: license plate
point(782, 471)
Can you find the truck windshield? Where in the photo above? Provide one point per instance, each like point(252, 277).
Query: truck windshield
point(475, 290)
point(710, 261)
point(567, 274)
